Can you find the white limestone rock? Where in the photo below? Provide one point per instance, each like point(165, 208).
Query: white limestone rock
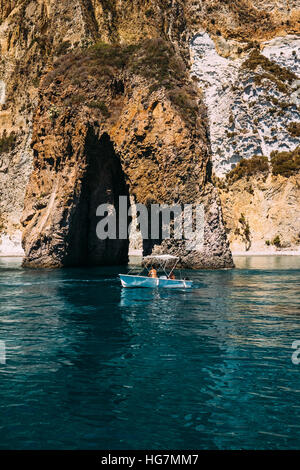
point(246, 118)
point(10, 245)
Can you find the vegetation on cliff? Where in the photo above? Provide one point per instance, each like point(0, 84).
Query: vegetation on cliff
point(276, 242)
point(7, 142)
point(294, 129)
point(115, 120)
point(286, 163)
point(154, 60)
point(243, 231)
point(280, 76)
point(281, 163)
point(248, 167)
point(244, 19)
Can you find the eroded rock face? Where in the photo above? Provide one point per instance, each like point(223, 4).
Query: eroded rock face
point(33, 34)
point(253, 97)
point(123, 137)
point(249, 110)
point(270, 207)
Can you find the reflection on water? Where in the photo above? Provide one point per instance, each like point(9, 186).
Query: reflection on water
point(91, 365)
point(267, 262)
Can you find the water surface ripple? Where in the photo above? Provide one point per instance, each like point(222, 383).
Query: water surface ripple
point(90, 365)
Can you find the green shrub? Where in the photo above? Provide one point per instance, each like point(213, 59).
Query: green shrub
point(156, 59)
point(284, 104)
point(36, 82)
point(273, 72)
point(294, 129)
point(75, 100)
point(183, 100)
point(8, 143)
point(149, 13)
point(257, 59)
point(276, 241)
point(285, 163)
point(244, 232)
point(53, 112)
point(153, 59)
point(63, 48)
point(113, 55)
point(248, 167)
point(101, 106)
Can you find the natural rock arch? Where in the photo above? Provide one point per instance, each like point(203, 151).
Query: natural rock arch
point(103, 183)
point(60, 224)
point(87, 147)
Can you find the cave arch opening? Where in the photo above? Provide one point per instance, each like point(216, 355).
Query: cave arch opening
point(103, 183)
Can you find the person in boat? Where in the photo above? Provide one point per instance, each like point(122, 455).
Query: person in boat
point(172, 276)
point(152, 272)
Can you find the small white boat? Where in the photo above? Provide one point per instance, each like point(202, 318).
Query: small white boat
point(164, 280)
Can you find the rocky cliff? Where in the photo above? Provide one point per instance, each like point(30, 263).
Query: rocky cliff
point(253, 102)
point(251, 98)
point(261, 214)
point(66, 98)
point(111, 121)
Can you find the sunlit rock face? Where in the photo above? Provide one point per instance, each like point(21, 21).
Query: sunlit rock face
point(252, 94)
point(285, 51)
point(126, 136)
point(249, 110)
point(34, 34)
point(2, 92)
point(271, 207)
point(10, 245)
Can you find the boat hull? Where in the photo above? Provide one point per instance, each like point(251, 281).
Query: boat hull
point(128, 280)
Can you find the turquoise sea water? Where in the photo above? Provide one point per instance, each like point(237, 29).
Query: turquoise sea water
point(90, 365)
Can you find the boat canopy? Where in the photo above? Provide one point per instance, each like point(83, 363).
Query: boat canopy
point(166, 263)
point(163, 261)
point(162, 257)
